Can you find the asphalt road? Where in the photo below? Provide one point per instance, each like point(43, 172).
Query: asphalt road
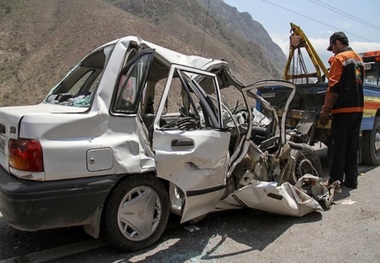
point(348, 232)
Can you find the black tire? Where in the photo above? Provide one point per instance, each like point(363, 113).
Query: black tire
point(307, 162)
point(136, 213)
point(371, 144)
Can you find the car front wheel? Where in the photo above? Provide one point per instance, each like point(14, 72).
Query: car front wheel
point(307, 162)
point(136, 213)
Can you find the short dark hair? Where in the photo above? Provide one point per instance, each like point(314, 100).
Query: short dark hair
point(344, 41)
point(338, 36)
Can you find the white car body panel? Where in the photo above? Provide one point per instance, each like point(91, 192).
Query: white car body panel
point(197, 166)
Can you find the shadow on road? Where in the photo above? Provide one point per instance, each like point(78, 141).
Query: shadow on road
point(322, 153)
point(251, 230)
point(220, 236)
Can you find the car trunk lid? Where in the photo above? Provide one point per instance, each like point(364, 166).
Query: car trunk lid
point(11, 118)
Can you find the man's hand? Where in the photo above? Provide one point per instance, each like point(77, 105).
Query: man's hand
point(324, 118)
point(324, 115)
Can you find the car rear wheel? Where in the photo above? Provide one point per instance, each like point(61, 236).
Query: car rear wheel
point(136, 213)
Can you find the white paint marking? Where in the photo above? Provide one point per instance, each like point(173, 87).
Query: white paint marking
point(345, 202)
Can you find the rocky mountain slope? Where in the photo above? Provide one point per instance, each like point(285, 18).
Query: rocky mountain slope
point(243, 26)
point(41, 40)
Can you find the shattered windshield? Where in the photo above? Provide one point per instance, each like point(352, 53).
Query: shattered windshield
point(78, 87)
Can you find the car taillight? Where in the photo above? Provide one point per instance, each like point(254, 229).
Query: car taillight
point(25, 155)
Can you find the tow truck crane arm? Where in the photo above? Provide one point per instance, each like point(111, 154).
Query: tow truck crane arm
point(299, 40)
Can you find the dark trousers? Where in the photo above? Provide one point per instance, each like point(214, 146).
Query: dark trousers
point(345, 129)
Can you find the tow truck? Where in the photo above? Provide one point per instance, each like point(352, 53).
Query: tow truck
point(302, 118)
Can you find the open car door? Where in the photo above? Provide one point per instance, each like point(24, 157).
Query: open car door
point(190, 145)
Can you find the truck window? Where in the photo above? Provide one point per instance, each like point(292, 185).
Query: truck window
point(372, 73)
point(371, 61)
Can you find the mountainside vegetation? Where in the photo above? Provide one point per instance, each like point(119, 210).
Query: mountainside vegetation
point(40, 41)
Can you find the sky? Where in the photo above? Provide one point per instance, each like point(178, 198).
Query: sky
point(318, 19)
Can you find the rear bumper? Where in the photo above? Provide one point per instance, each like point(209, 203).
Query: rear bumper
point(30, 205)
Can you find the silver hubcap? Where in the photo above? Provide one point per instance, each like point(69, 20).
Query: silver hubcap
point(377, 140)
point(139, 213)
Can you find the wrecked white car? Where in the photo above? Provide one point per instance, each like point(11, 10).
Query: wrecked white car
point(136, 131)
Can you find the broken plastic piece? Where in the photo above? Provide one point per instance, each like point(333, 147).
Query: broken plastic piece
point(191, 228)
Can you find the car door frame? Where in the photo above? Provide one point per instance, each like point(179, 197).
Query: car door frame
point(183, 156)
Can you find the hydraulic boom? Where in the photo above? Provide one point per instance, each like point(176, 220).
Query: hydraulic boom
point(297, 69)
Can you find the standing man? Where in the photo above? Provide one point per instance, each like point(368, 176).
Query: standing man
point(344, 104)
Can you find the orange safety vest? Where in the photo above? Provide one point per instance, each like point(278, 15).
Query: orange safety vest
point(346, 79)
